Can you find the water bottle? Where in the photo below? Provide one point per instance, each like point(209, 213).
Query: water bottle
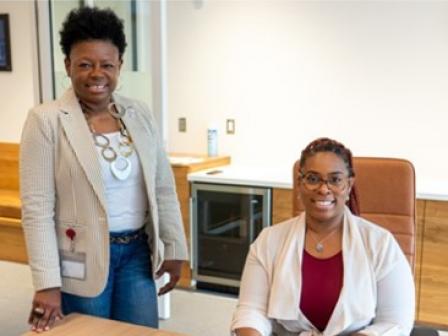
point(212, 141)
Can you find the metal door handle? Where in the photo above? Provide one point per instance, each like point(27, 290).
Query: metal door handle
point(192, 235)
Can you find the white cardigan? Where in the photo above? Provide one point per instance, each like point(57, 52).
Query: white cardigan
point(377, 297)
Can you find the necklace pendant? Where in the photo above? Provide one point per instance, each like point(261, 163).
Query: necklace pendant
point(319, 247)
point(121, 168)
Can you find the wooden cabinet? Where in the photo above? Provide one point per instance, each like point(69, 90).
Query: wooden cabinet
point(420, 219)
point(281, 205)
point(433, 298)
point(181, 170)
point(12, 240)
point(11, 233)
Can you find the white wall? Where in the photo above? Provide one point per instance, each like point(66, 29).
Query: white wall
point(372, 74)
point(18, 89)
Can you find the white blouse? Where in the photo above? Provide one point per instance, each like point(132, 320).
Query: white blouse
point(127, 200)
point(377, 297)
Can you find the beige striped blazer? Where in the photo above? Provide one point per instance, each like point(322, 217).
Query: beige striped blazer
point(62, 187)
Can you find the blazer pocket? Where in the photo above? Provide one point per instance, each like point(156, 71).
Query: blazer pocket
point(71, 237)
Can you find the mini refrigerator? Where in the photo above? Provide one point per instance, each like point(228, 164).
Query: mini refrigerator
point(225, 220)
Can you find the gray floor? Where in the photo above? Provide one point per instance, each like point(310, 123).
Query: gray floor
point(199, 314)
point(192, 313)
point(15, 298)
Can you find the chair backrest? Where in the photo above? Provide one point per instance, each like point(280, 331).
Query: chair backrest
point(386, 192)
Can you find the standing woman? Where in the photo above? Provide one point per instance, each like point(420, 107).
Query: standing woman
point(327, 272)
point(99, 207)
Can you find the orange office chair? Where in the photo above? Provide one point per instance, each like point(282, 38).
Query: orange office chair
point(386, 193)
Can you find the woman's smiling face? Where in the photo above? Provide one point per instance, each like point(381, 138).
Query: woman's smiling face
point(94, 67)
point(324, 187)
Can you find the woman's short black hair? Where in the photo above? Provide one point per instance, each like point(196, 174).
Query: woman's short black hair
point(92, 23)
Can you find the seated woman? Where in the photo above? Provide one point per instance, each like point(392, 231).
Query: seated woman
point(326, 272)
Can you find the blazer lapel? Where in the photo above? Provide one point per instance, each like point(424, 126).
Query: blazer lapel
point(80, 139)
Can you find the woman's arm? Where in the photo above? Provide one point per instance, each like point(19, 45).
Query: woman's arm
point(170, 219)
point(37, 189)
point(396, 303)
point(250, 317)
point(170, 223)
point(168, 209)
point(171, 229)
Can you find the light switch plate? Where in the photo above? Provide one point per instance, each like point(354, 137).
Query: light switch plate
point(182, 125)
point(230, 126)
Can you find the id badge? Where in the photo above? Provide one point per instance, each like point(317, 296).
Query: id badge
point(73, 264)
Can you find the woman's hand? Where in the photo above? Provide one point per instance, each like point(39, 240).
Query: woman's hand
point(46, 309)
point(172, 267)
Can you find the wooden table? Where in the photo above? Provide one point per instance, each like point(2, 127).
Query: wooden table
point(83, 325)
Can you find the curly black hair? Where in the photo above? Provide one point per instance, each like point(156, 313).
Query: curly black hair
point(92, 23)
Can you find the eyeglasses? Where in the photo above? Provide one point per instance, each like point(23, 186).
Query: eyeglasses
point(336, 182)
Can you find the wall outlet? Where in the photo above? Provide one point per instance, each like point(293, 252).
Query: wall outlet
point(182, 124)
point(230, 126)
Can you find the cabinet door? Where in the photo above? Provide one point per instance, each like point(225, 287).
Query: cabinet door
point(420, 221)
point(281, 205)
point(183, 194)
point(434, 266)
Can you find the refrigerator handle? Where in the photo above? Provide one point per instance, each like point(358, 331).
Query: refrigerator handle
point(252, 203)
point(192, 235)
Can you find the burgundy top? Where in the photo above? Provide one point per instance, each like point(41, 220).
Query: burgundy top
point(321, 285)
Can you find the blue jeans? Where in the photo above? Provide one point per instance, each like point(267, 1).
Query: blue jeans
point(130, 292)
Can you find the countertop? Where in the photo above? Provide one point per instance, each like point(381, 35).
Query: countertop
point(245, 175)
point(282, 178)
point(195, 162)
point(187, 159)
